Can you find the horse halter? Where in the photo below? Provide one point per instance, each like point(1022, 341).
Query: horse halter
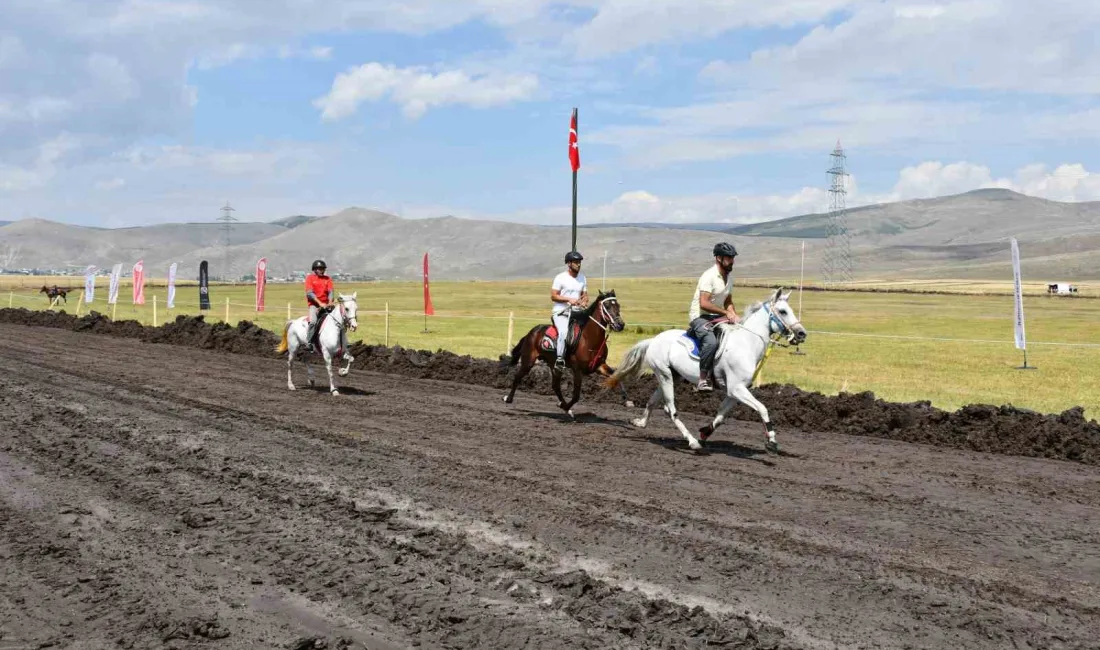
point(783, 329)
point(607, 318)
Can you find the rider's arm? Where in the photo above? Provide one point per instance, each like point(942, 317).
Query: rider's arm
point(706, 305)
point(556, 296)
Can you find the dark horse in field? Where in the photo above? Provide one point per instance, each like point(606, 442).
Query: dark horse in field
point(585, 354)
point(53, 292)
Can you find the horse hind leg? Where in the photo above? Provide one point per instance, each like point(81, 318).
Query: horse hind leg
point(526, 362)
point(654, 401)
point(668, 392)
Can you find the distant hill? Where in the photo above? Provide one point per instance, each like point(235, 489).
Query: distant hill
point(295, 221)
point(962, 236)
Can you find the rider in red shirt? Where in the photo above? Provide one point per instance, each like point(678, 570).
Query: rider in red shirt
point(319, 294)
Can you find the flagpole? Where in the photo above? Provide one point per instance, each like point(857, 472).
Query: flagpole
point(801, 276)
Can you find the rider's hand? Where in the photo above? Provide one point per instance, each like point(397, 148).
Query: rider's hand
point(732, 317)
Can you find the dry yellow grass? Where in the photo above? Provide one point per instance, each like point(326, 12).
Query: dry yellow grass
point(859, 341)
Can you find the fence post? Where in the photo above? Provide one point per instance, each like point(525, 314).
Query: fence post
point(508, 343)
point(288, 311)
point(227, 310)
point(11, 299)
point(154, 310)
point(387, 343)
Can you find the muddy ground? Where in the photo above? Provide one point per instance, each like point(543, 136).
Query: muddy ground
point(1002, 429)
point(169, 496)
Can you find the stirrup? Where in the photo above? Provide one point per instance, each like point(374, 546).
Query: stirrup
point(559, 363)
point(704, 386)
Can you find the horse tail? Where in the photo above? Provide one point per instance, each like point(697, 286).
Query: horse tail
point(632, 365)
point(284, 345)
point(516, 351)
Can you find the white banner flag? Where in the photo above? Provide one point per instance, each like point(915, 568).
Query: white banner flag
point(172, 286)
point(1021, 341)
point(112, 292)
point(89, 284)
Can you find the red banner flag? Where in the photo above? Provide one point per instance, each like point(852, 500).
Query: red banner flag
point(139, 283)
point(428, 309)
point(261, 282)
point(574, 148)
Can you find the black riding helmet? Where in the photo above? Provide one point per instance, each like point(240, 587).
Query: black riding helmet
point(318, 264)
point(724, 249)
point(573, 256)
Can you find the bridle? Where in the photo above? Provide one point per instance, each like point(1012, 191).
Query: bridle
point(608, 319)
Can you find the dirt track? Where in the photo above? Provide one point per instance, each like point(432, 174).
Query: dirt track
point(157, 496)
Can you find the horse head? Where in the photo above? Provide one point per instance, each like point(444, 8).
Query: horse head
point(608, 306)
point(44, 289)
point(349, 308)
point(782, 319)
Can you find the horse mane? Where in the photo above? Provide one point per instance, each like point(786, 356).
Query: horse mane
point(753, 308)
point(587, 313)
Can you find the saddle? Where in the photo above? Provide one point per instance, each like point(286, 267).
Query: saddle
point(549, 340)
point(691, 344)
point(315, 342)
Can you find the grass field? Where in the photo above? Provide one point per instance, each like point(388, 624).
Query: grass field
point(850, 347)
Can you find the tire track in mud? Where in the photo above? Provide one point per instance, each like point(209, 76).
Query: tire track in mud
point(871, 545)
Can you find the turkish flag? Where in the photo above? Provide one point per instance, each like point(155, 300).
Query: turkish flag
point(574, 149)
point(428, 309)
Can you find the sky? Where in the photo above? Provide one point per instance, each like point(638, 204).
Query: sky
point(132, 112)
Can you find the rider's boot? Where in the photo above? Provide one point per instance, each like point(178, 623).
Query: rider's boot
point(703, 386)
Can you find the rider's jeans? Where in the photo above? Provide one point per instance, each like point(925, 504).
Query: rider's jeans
point(708, 342)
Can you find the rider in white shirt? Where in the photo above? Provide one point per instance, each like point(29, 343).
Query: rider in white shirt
point(570, 289)
point(713, 299)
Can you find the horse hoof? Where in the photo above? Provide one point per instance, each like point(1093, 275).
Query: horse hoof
point(343, 372)
point(772, 447)
point(695, 446)
point(705, 431)
point(291, 387)
point(640, 423)
point(507, 399)
point(335, 392)
point(570, 414)
point(629, 404)
point(312, 383)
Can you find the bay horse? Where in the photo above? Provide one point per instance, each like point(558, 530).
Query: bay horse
point(588, 353)
point(53, 292)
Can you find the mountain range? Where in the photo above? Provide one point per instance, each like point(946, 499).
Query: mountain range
point(960, 236)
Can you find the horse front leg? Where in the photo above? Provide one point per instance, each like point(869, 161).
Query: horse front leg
point(742, 393)
point(707, 430)
point(577, 379)
point(555, 375)
point(328, 368)
point(347, 354)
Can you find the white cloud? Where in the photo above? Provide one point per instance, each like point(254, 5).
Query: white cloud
point(417, 89)
point(38, 172)
point(282, 159)
point(113, 184)
point(624, 25)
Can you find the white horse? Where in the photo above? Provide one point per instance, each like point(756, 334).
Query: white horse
point(333, 338)
point(740, 352)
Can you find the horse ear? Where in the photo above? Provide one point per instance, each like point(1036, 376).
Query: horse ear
point(353, 294)
point(787, 296)
point(778, 294)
